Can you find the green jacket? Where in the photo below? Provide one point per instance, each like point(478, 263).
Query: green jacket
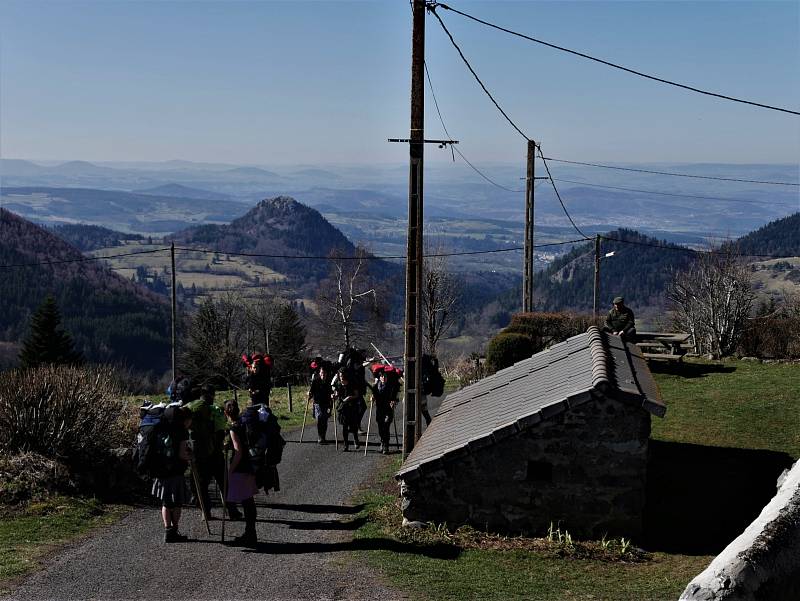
point(620, 321)
point(208, 422)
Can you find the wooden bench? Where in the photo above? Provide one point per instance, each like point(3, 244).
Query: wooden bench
point(663, 346)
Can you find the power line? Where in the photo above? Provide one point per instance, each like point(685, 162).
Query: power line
point(475, 75)
point(674, 174)
point(433, 5)
point(558, 195)
point(593, 185)
point(453, 147)
point(84, 259)
point(690, 250)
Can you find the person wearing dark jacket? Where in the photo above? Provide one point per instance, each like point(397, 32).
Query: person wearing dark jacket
point(350, 406)
point(620, 320)
point(384, 394)
point(169, 486)
point(259, 378)
point(321, 392)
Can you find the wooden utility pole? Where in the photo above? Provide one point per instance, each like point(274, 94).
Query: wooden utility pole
point(174, 306)
point(596, 295)
point(413, 328)
point(527, 270)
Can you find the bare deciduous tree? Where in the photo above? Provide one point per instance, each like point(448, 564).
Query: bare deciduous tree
point(441, 295)
point(348, 302)
point(712, 300)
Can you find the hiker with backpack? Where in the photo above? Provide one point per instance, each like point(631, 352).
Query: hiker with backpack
point(321, 393)
point(350, 406)
point(265, 443)
point(432, 384)
point(209, 427)
point(259, 377)
point(241, 482)
point(385, 393)
point(167, 457)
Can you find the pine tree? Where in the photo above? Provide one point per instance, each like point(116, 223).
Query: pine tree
point(47, 342)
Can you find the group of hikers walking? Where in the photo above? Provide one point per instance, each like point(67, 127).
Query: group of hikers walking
point(240, 450)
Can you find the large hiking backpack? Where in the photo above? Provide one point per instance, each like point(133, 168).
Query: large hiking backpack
point(264, 441)
point(156, 454)
point(203, 439)
point(432, 379)
point(393, 375)
point(352, 362)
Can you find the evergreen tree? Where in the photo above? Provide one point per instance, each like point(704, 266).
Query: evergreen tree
point(288, 341)
point(47, 342)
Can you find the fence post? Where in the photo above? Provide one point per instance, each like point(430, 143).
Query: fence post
point(289, 384)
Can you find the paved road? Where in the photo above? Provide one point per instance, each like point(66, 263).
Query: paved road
point(305, 534)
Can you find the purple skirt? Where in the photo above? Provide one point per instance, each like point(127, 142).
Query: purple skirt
point(241, 487)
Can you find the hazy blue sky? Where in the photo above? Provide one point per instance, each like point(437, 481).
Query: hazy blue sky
point(328, 81)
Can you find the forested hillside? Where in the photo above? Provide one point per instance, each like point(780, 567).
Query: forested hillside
point(91, 237)
point(109, 317)
point(780, 237)
point(279, 226)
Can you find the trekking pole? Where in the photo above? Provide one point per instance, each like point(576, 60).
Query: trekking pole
point(335, 430)
point(369, 423)
point(196, 479)
point(225, 491)
point(394, 422)
point(305, 415)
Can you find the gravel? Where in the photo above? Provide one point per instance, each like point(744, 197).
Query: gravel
point(304, 532)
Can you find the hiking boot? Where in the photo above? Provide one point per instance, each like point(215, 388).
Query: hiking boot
point(178, 537)
point(169, 535)
point(248, 539)
point(234, 515)
point(346, 448)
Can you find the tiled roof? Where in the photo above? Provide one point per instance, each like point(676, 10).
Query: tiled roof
point(519, 397)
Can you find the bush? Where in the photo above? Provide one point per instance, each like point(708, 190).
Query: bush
point(531, 333)
point(31, 477)
point(773, 337)
point(65, 413)
point(506, 349)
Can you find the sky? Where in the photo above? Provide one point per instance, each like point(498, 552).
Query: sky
point(327, 82)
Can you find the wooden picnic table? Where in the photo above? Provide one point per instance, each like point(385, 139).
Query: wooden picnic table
point(668, 346)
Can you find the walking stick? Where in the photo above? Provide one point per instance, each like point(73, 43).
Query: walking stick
point(335, 429)
point(225, 492)
point(369, 422)
point(394, 422)
point(305, 414)
point(196, 479)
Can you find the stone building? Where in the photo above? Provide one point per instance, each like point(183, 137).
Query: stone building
point(558, 438)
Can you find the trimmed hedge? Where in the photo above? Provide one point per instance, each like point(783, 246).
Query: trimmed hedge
point(531, 333)
point(506, 349)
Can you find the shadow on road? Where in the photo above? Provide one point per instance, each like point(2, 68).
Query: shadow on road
point(438, 551)
point(310, 508)
point(317, 524)
point(700, 498)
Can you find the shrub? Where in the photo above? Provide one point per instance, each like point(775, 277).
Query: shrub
point(31, 477)
point(60, 412)
point(530, 333)
point(773, 337)
point(506, 349)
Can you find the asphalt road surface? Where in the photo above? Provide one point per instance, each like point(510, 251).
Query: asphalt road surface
point(304, 532)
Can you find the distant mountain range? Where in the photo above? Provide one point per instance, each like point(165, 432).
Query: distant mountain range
point(110, 318)
point(181, 191)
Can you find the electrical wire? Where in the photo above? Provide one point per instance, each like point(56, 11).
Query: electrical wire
point(433, 5)
point(453, 147)
point(84, 259)
point(558, 194)
point(593, 185)
point(674, 174)
point(475, 75)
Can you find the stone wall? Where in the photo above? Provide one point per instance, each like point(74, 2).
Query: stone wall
point(583, 469)
point(763, 563)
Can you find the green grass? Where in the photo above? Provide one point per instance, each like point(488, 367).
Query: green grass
point(425, 572)
point(731, 404)
point(28, 533)
point(738, 404)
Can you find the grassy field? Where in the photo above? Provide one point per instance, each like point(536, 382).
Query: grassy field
point(739, 404)
point(27, 535)
point(731, 404)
